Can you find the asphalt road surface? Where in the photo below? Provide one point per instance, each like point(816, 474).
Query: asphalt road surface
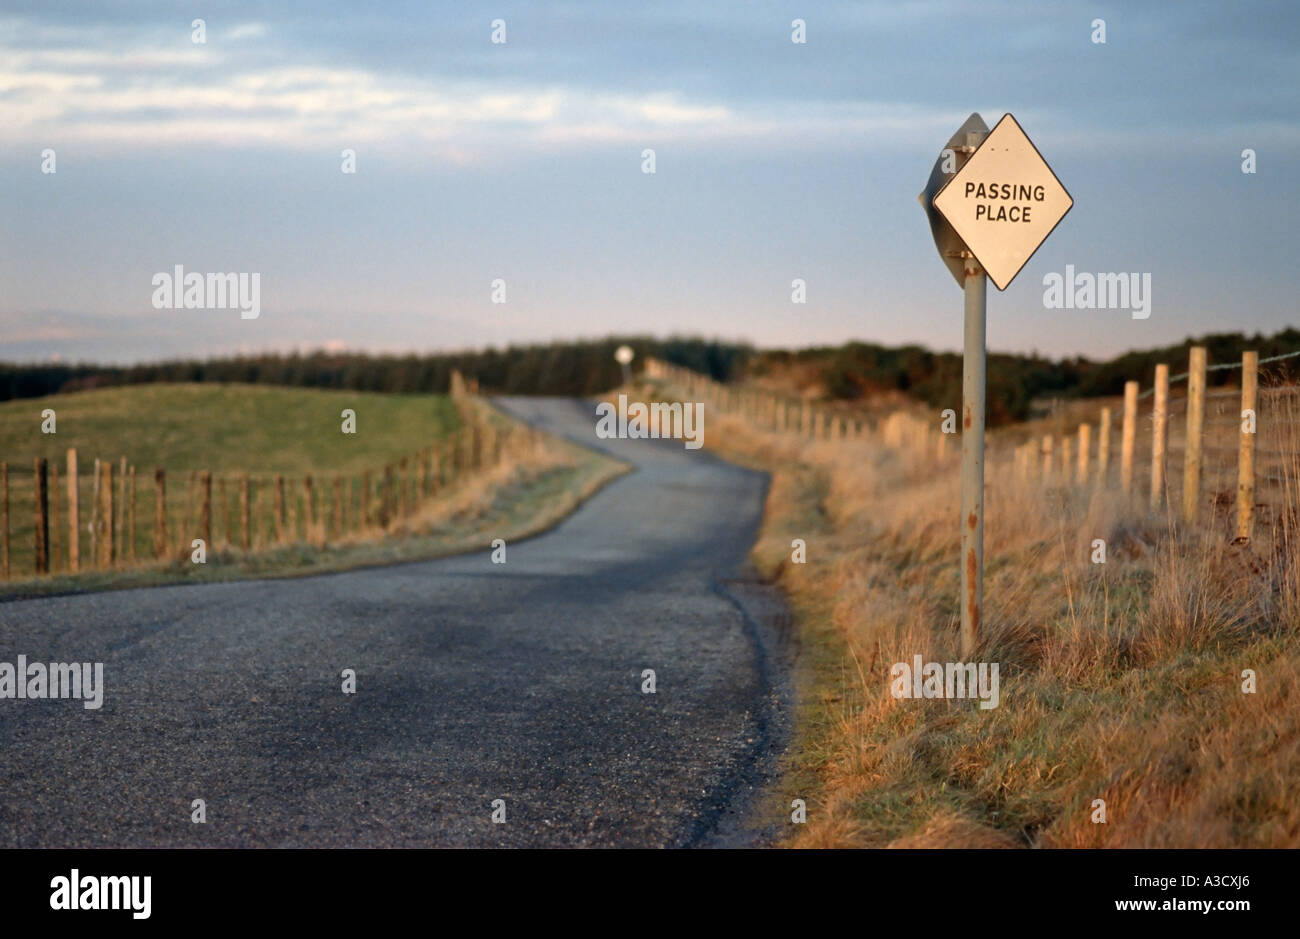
point(475, 682)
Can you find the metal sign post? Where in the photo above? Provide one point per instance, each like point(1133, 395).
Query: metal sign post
point(972, 456)
point(991, 200)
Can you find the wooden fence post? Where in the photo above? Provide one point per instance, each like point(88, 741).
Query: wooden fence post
point(365, 499)
point(224, 504)
point(337, 521)
point(186, 534)
point(403, 504)
point(1065, 458)
point(308, 509)
point(130, 515)
point(1085, 452)
point(245, 536)
point(4, 518)
point(279, 510)
point(1128, 436)
point(1246, 456)
point(160, 513)
point(205, 509)
point(106, 514)
point(95, 551)
point(56, 559)
point(259, 511)
point(119, 529)
point(1195, 426)
point(1047, 457)
point(387, 502)
point(74, 514)
point(1159, 436)
point(1103, 446)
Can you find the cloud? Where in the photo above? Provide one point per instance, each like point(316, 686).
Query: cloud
point(249, 31)
point(164, 90)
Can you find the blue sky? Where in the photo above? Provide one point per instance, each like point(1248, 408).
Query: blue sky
point(522, 161)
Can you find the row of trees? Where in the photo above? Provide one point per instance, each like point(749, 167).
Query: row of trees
point(849, 372)
point(559, 368)
point(858, 370)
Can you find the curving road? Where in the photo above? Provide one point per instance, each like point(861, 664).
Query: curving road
point(475, 682)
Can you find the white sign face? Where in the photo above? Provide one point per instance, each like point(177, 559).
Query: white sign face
point(623, 355)
point(1004, 202)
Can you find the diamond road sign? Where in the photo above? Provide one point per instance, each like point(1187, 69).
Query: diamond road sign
point(1004, 202)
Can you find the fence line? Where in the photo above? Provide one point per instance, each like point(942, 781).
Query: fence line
point(1068, 459)
point(273, 509)
point(1228, 366)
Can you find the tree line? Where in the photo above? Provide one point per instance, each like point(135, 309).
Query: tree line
point(857, 370)
point(557, 368)
point(853, 371)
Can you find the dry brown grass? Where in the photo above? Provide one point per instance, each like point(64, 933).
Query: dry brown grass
point(1119, 681)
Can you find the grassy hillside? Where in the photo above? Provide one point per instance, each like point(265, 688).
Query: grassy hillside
point(248, 428)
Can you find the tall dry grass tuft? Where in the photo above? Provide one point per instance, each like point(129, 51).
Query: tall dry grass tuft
point(1202, 594)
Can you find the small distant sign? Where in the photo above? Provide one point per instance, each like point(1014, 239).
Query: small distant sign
point(1004, 202)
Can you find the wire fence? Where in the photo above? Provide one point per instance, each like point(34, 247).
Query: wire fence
point(100, 514)
point(1206, 453)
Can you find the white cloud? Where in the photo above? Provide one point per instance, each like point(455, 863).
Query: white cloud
point(248, 31)
point(188, 96)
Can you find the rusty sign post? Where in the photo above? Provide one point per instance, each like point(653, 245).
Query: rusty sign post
point(972, 455)
point(991, 200)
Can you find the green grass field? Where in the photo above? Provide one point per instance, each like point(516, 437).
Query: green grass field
point(223, 428)
point(186, 428)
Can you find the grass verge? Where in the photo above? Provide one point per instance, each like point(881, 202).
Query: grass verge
point(1122, 682)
